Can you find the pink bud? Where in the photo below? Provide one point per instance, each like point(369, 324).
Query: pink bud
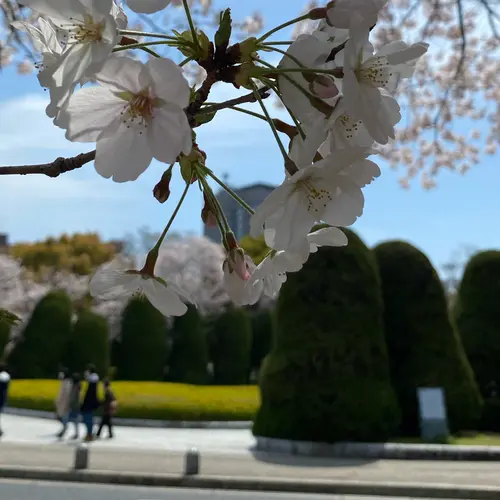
point(238, 263)
point(324, 87)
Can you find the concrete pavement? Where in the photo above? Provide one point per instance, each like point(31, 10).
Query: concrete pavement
point(15, 490)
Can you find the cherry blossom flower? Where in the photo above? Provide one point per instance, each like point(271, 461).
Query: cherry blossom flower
point(354, 14)
point(325, 191)
point(237, 288)
point(364, 75)
point(89, 31)
point(136, 115)
point(111, 283)
point(147, 6)
point(312, 52)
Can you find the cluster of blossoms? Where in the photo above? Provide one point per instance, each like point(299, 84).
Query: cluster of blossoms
point(337, 90)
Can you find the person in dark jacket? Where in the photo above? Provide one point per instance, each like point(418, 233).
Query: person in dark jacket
point(73, 414)
point(90, 401)
point(4, 389)
point(108, 410)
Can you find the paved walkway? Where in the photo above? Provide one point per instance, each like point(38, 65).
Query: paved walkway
point(28, 430)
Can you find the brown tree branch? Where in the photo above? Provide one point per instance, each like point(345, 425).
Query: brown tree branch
point(57, 167)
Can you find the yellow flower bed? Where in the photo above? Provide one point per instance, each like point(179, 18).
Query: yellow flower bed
point(152, 400)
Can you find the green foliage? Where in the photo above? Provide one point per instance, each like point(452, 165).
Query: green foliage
point(89, 343)
point(143, 347)
point(255, 247)
point(45, 338)
point(230, 345)
point(188, 358)
point(477, 316)
point(327, 376)
point(490, 421)
point(262, 335)
point(78, 253)
point(424, 349)
point(4, 337)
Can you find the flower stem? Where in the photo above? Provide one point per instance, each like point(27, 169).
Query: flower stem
point(336, 72)
point(229, 191)
point(141, 45)
point(284, 53)
point(271, 124)
point(284, 25)
point(191, 24)
point(174, 215)
point(248, 112)
point(183, 63)
point(287, 42)
point(149, 51)
point(145, 33)
point(219, 212)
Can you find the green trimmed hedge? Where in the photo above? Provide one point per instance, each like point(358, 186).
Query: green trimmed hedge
point(327, 376)
point(424, 348)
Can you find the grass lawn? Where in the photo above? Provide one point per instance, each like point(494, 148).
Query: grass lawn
point(470, 439)
point(153, 400)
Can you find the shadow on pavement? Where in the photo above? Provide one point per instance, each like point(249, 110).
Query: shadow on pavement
point(304, 461)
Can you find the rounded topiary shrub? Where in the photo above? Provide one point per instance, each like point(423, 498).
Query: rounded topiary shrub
point(188, 358)
point(89, 343)
point(477, 316)
point(45, 339)
point(143, 346)
point(4, 337)
point(327, 375)
point(230, 345)
point(262, 336)
point(424, 348)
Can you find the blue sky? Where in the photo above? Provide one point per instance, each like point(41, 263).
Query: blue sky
point(462, 210)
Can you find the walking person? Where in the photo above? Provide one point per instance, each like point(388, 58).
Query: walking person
point(73, 413)
point(4, 389)
point(109, 406)
point(90, 401)
point(62, 400)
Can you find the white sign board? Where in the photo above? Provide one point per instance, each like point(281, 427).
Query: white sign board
point(431, 403)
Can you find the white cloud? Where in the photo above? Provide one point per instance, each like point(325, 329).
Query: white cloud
point(25, 126)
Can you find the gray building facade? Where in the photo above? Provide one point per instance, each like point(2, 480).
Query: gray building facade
point(237, 216)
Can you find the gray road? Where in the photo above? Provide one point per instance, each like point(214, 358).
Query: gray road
point(27, 490)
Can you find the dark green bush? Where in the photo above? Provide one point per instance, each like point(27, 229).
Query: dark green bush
point(143, 346)
point(262, 335)
point(188, 358)
point(4, 337)
point(424, 348)
point(230, 344)
point(477, 316)
point(327, 376)
point(45, 339)
point(89, 343)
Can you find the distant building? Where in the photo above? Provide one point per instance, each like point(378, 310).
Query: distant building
point(237, 216)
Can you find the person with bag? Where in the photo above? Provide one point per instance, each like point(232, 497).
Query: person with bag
point(62, 400)
point(73, 414)
point(109, 407)
point(90, 401)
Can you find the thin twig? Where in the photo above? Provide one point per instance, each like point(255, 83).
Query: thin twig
point(54, 169)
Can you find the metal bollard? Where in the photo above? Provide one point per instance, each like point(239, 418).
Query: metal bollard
point(81, 457)
point(192, 462)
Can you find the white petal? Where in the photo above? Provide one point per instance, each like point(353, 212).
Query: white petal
point(147, 6)
point(408, 54)
point(56, 11)
point(163, 298)
point(347, 206)
point(122, 152)
point(168, 80)
point(296, 222)
point(89, 112)
point(274, 201)
point(302, 151)
point(328, 236)
point(169, 133)
point(72, 66)
point(123, 74)
point(112, 283)
point(97, 8)
point(363, 172)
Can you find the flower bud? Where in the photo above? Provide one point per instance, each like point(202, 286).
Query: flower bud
point(162, 190)
point(223, 33)
point(324, 87)
point(207, 215)
point(245, 51)
point(237, 263)
point(318, 13)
